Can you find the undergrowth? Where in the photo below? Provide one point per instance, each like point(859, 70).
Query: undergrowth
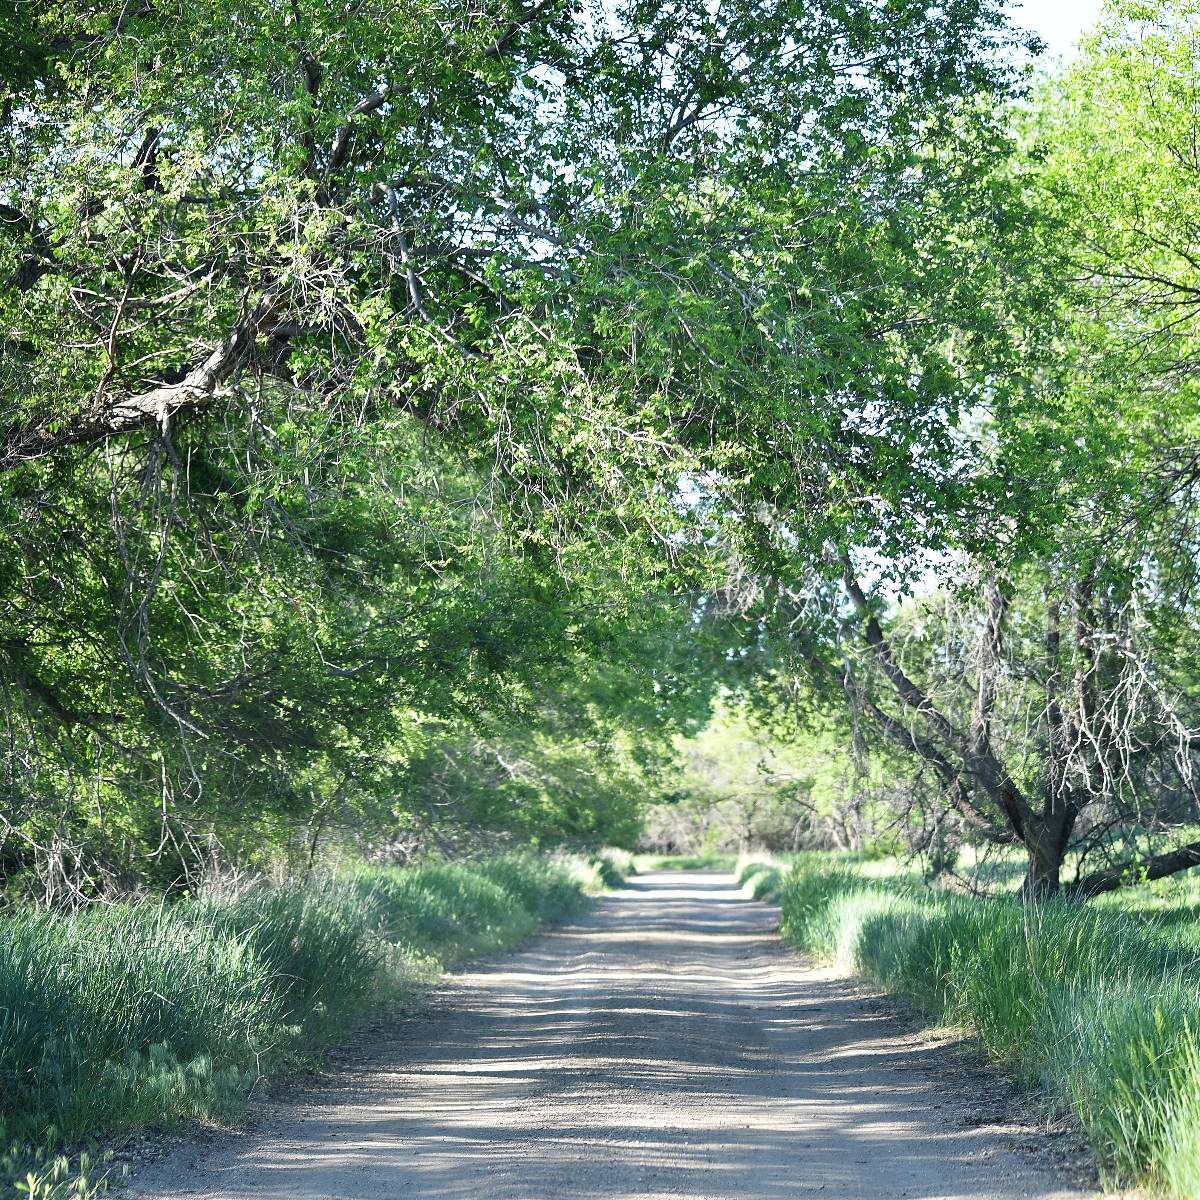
point(152, 1015)
point(1095, 1007)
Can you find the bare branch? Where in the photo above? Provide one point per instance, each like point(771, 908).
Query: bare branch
point(1112, 878)
point(532, 14)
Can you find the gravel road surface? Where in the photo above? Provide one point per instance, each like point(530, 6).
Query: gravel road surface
point(666, 1043)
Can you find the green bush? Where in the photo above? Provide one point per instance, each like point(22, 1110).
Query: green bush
point(749, 868)
point(546, 886)
point(761, 877)
point(1123, 1055)
point(614, 865)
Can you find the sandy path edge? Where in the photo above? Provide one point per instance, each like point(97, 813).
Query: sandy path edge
point(666, 1043)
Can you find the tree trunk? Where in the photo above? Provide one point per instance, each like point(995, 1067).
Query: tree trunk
point(1046, 853)
point(1045, 836)
point(1041, 876)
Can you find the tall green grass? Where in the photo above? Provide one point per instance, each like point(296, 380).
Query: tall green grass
point(760, 876)
point(135, 1015)
point(1097, 1007)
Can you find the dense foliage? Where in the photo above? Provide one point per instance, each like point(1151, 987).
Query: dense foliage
point(415, 416)
point(1034, 662)
point(377, 382)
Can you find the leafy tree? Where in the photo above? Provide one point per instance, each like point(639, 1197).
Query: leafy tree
point(575, 757)
point(1048, 689)
point(242, 687)
point(756, 779)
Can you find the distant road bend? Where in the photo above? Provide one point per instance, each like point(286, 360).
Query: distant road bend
point(667, 1043)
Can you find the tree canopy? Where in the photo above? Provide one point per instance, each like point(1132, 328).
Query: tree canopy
point(414, 416)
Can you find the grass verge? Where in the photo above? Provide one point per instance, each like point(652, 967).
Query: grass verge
point(760, 876)
point(149, 1015)
point(686, 862)
point(1095, 1007)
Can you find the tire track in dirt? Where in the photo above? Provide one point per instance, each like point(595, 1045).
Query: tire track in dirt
point(666, 1043)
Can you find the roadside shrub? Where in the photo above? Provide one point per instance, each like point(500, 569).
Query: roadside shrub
point(614, 865)
point(430, 905)
point(1123, 1055)
point(760, 876)
point(748, 868)
point(311, 940)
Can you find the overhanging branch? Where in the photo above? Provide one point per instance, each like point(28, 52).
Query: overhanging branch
point(155, 408)
point(979, 762)
point(907, 738)
point(502, 40)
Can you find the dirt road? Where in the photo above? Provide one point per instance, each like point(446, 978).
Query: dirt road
point(665, 1044)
